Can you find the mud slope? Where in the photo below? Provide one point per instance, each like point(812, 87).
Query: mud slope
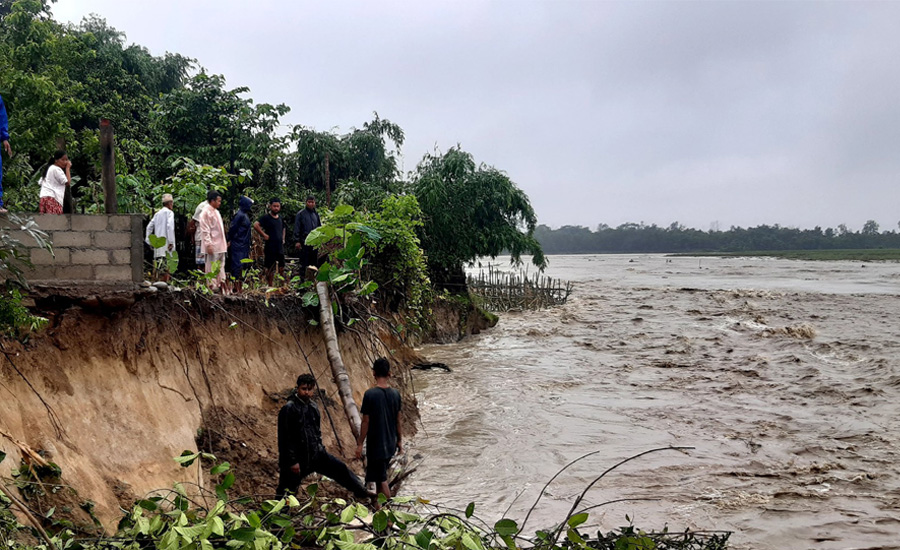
point(112, 395)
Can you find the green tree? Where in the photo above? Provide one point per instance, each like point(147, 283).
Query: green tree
point(364, 160)
point(870, 228)
point(470, 211)
point(191, 182)
point(58, 81)
point(216, 126)
point(40, 97)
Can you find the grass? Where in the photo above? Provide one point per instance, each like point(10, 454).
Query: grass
point(864, 255)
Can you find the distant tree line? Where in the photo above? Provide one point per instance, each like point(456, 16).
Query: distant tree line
point(641, 238)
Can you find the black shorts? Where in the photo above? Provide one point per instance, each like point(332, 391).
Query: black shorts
point(272, 259)
point(376, 469)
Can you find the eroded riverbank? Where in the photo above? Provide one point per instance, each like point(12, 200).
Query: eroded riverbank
point(116, 387)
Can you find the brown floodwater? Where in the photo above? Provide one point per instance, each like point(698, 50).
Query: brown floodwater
point(783, 375)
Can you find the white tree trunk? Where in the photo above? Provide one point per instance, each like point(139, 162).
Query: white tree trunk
point(334, 357)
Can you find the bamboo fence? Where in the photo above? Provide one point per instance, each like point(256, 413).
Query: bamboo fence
point(505, 291)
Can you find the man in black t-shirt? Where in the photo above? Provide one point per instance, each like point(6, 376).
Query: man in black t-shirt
point(380, 427)
point(271, 228)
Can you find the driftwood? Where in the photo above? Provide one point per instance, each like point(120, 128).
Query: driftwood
point(429, 366)
point(338, 371)
point(401, 468)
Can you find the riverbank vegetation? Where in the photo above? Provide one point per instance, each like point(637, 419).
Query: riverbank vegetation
point(631, 238)
point(190, 517)
point(182, 130)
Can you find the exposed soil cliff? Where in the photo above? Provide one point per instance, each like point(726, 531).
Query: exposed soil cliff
point(114, 389)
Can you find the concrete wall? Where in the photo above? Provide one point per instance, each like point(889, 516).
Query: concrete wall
point(86, 248)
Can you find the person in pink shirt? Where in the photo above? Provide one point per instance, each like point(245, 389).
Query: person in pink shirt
point(211, 234)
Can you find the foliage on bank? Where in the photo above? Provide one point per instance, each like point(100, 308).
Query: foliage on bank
point(188, 517)
point(179, 129)
point(397, 263)
point(15, 319)
point(474, 211)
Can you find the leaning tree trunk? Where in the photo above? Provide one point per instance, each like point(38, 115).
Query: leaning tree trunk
point(334, 357)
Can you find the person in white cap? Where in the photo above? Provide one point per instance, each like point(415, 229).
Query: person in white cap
point(163, 225)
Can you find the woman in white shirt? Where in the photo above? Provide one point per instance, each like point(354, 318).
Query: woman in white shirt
point(57, 175)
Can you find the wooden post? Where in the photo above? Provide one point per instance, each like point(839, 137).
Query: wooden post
point(108, 166)
point(327, 181)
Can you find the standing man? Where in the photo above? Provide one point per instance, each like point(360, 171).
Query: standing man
point(300, 449)
point(271, 228)
point(163, 225)
point(211, 233)
point(239, 241)
point(4, 140)
point(380, 427)
point(305, 221)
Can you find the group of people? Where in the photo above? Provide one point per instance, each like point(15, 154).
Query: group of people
point(301, 451)
point(212, 243)
point(206, 229)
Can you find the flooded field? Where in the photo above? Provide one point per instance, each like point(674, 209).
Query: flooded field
point(783, 375)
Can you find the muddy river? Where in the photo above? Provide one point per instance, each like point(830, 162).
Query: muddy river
point(783, 375)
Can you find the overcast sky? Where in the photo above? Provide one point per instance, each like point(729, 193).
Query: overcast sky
point(740, 113)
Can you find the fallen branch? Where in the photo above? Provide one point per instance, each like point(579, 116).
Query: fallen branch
point(601, 476)
point(27, 513)
point(341, 378)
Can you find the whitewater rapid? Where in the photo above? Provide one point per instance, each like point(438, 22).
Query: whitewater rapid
point(783, 375)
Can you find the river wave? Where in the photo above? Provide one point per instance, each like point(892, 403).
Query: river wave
point(782, 375)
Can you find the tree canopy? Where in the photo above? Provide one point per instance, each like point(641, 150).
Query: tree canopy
point(470, 211)
point(173, 118)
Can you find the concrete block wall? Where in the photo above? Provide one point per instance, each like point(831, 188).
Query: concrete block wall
point(104, 248)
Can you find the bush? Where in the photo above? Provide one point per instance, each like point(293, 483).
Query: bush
point(15, 319)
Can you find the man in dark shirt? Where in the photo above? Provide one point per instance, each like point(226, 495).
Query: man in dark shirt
point(239, 241)
point(305, 221)
point(380, 426)
point(300, 449)
point(271, 228)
